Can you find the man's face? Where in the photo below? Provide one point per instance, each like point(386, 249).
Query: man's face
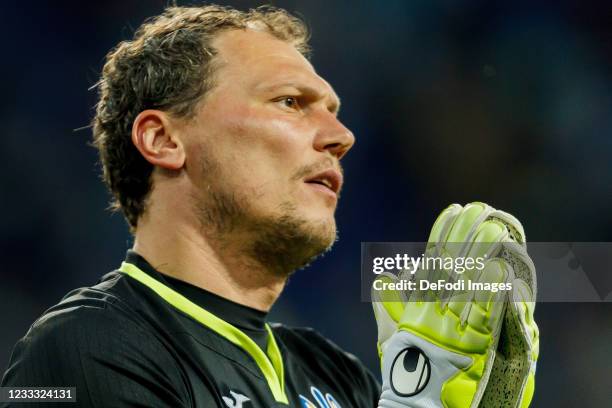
point(264, 149)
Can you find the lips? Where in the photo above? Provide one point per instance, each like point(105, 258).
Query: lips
point(331, 179)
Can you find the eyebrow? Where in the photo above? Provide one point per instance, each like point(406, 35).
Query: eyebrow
point(334, 105)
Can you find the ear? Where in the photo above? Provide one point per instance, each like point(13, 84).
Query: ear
point(157, 140)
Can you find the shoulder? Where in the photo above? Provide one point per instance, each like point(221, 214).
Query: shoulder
point(96, 310)
point(311, 347)
point(87, 324)
point(111, 315)
point(95, 340)
point(77, 319)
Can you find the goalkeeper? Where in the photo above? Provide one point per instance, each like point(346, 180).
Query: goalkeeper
point(221, 146)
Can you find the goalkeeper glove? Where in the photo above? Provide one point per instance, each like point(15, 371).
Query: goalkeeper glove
point(440, 351)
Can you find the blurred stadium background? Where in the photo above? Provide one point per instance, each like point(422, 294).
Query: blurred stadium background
point(505, 102)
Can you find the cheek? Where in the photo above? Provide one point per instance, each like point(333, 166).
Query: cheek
point(261, 129)
point(258, 149)
point(262, 138)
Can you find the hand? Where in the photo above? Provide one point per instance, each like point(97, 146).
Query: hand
point(438, 348)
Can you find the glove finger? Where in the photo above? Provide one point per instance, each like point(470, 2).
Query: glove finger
point(441, 228)
point(465, 227)
point(458, 241)
point(384, 322)
point(470, 222)
point(487, 309)
point(523, 306)
point(487, 243)
point(489, 237)
point(469, 226)
point(388, 306)
point(389, 295)
point(516, 255)
point(459, 305)
point(517, 233)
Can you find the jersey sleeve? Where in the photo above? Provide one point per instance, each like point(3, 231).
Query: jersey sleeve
point(113, 361)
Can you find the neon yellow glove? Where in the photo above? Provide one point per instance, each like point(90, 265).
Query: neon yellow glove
point(438, 348)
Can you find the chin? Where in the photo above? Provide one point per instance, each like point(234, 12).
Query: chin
point(329, 231)
point(320, 226)
point(290, 242)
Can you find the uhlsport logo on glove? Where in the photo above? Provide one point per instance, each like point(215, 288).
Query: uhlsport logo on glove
point(410, 372)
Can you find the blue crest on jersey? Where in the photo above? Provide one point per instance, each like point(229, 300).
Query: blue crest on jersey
point(327, 401)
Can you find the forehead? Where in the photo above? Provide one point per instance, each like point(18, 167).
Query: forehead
point(257, 59)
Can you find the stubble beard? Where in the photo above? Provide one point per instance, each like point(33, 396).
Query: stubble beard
point(287, 243)
point(280, 243)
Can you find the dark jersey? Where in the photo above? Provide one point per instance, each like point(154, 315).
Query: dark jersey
point(142, 339)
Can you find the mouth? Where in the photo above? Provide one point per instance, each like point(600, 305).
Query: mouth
point(329, 181)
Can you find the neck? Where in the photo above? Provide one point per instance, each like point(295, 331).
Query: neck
point(221, 266)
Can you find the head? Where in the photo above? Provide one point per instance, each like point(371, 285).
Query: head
point(223, 110)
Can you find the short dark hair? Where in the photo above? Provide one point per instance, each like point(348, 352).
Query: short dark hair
point(168, 65)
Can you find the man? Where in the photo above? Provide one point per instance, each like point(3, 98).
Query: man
point(221, 146)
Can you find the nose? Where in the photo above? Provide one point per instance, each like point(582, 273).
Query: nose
point(333, 136)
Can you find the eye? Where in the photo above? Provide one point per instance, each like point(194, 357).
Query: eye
point(289, 102)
